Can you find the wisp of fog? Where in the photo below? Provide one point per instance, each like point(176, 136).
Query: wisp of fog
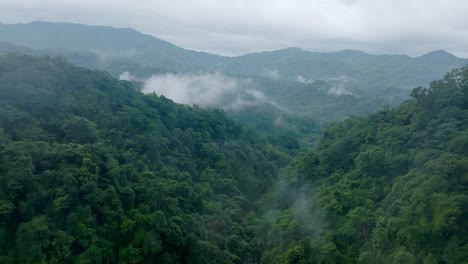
point(203, 89)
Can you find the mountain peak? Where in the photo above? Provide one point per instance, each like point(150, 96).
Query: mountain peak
point(438, 54)
point(78, 37)
point(294, 49)
point(290, 50)
point(351, 51)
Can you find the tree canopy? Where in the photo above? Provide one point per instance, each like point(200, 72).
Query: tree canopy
point(94, 171)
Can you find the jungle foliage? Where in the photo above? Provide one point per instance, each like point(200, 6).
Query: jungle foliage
point(94, 171)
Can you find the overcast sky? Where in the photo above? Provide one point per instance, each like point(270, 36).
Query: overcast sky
point(233, 27)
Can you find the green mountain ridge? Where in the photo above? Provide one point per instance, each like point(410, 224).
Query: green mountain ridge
point(388, 188)
point(94, 171)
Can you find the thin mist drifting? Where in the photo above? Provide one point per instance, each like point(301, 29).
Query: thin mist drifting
point(203, 89)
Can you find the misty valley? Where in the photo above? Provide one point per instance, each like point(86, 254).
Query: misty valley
point(120, 147)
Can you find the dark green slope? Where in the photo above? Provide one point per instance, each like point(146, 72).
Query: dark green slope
point(389, 188)
point(93, 171)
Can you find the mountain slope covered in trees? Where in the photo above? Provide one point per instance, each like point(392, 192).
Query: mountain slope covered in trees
point(94, 171)
point(388, 188)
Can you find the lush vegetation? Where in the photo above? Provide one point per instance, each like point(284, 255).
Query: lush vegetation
point(93, 171)
point(389, 188)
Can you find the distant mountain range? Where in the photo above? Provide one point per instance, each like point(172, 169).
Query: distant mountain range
point(107, 42)
point(323, 86)
point(290, 63)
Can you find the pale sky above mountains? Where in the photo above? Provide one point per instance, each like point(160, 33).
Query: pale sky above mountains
point(227, 27)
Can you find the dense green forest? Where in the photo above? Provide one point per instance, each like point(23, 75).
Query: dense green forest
point(388, 188)
point(94, 171)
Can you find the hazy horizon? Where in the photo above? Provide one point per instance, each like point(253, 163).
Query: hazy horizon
point(236, 28)
point(243, 54)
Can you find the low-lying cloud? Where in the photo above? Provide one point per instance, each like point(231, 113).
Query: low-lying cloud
point(126, 76)
point(301, 79)
point(204, 89)
point(272, 74)
point(339, 90)
point(340, 85)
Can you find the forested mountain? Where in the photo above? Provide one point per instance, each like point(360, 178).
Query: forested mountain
point(94, 171)
point(323, 86)
point(388, 188)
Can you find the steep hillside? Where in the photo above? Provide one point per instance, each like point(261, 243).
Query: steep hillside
point(93, 171)
point(389, 188)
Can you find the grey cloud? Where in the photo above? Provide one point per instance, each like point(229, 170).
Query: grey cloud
point(234, 27)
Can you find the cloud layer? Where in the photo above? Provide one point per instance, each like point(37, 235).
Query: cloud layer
point(204, 89)
point(237, 27)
